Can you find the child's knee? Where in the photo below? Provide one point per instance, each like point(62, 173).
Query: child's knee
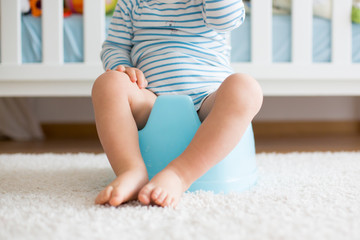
point(112, 81)
point(244, 91)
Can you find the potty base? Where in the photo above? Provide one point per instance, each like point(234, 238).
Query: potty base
point(170, 128)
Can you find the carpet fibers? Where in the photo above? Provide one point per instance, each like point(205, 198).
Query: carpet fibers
point(298, 196)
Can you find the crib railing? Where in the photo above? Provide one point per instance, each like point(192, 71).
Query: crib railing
point(52, 77)
point(302, 15)
point(301, 76)
point(52, 31)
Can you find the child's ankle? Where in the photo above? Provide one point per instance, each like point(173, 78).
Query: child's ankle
point(129, 168)
point(185, 179)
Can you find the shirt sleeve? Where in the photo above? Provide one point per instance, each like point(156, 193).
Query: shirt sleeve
point(117, 46)
point(223, 15)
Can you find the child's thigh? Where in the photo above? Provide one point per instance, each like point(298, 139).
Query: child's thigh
point(206, 106)
point(141, 106)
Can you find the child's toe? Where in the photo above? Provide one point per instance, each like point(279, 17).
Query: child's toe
point(155, 194)
point(168, 201)
point(173, 203)
point(144, 194)
point(104, 196)
point(161, 198)
point(116, 198)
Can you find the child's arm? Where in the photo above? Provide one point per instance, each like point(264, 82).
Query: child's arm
point(223, 15)
point(117, 46)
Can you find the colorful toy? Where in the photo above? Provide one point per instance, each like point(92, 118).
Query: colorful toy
point(355, 16)
point(110, 6)
point(35, 6)
point(70, 6)
point(76, 6)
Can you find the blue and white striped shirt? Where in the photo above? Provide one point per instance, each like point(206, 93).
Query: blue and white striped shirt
point(181, 46)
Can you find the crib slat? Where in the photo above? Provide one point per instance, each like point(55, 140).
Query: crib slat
point(94, 29)
point(52, 31)
point(261, 31)
point(302, 31)
point(10, 32)
point(341, 32)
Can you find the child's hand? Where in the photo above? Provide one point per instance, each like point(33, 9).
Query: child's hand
point(135, 75)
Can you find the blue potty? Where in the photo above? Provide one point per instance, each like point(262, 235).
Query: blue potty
point(172, 124)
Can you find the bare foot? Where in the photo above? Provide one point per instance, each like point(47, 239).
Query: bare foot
point(164, 189)
point(124, 188)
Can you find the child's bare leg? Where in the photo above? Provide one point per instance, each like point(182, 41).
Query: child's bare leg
point(120, 109)
point(236, 102)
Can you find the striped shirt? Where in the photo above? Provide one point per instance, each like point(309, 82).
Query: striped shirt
point(181, 46)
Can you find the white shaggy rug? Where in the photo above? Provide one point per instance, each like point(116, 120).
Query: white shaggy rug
point(299, 196)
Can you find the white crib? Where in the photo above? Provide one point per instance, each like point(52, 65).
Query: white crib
point(300, 77)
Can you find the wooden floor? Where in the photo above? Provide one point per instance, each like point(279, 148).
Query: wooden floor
point(263, 144)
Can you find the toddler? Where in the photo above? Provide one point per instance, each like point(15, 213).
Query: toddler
point(157, 47)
